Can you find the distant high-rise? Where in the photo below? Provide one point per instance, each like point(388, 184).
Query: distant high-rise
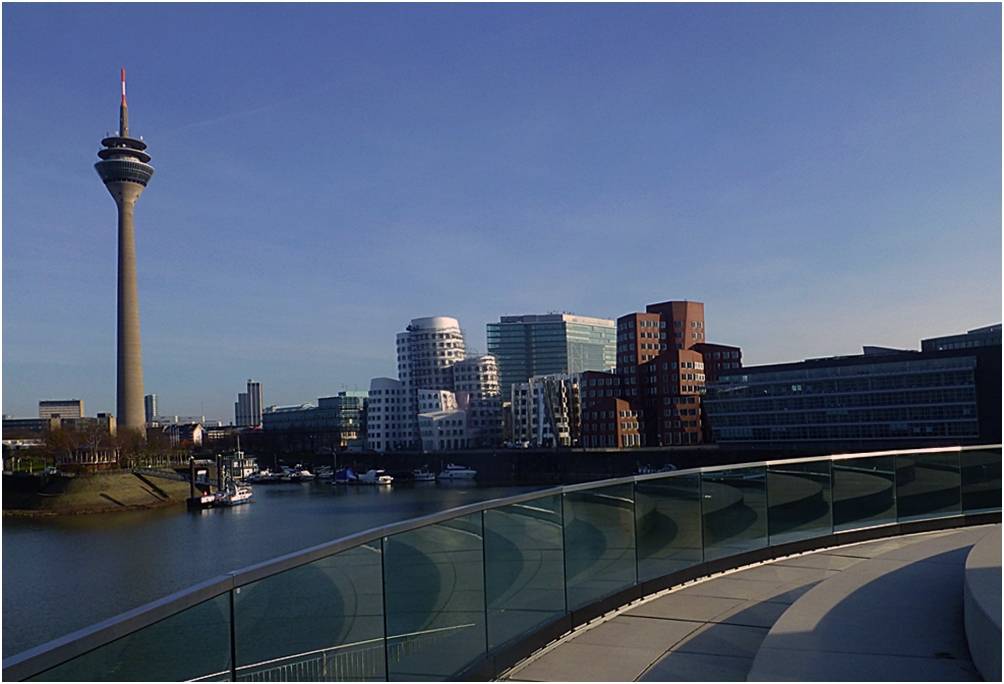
point(61, 408)
point(125, 172)
point(247, 410)
point(150, 407)
point(526, 346)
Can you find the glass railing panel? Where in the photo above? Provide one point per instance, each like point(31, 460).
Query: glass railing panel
point(435, 600)
point(799, 503)
point(524, 568)
point(734, 511)
point(319, 622)
point(864, 492)
point(928, 485)
point(981, 480)
point(192, 645)
point(599, 543)
point(668, 521)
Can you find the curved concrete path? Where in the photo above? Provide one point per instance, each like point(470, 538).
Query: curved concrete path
point(898, 617)
point(715, 629)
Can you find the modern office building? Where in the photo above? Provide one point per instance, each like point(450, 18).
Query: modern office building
point(124, 168)
point(150, 407)
point(248, 408)
point(980, 337)
point(531, 345)
point(331, 424)
point(882, 399)
point(104, 422)
point(63, 408)
point(545, 411)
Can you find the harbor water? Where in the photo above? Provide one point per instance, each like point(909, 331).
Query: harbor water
point(63, 573)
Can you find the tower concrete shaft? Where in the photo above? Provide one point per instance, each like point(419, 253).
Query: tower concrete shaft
point(125, 172)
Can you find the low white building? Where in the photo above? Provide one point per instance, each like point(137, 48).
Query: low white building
point(445, 430)
point(389, 418)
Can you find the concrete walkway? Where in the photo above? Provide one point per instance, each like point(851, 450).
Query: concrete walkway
point(903, 596)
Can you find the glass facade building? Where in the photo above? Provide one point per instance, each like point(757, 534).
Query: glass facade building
point(531, 345)
point(981, 337)
point(932, 398)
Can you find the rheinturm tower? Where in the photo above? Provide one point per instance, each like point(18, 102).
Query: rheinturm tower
point(125, 170)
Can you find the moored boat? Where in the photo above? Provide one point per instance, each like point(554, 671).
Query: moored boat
point(452, 471)
point(376, 477)
point(344, 476)
point(423, 475)
point(234, 494)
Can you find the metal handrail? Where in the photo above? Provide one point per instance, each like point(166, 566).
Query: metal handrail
point(63, 649)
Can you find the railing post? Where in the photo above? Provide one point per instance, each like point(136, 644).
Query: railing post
point(383, 594)
point(233, 640)
point(484, 579)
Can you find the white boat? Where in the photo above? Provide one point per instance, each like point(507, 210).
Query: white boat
point(234, 494)
point(325, 473)
point(305, 475)
point(376, 477)
point(457, 472)
point(423, 475)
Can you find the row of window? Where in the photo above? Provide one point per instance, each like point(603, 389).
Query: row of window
point(870, 415)
point(840, 432)
point(722, 403)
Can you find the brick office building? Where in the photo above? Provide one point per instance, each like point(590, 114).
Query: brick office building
point(655, 394)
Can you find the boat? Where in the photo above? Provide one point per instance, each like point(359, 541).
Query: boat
point(324, 473)
point(376, 477)
point(204, 500)
point(344, 476)
point(649, 470)
point(263, 477)
point(452, 471)
point(304, 474)
point(423, 475)
point(233, 494)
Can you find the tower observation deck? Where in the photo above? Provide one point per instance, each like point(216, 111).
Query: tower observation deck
point(125, 170)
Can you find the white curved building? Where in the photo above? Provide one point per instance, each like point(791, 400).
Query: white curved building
point(429, 353)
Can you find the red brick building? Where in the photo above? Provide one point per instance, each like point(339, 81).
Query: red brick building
point(654, 398)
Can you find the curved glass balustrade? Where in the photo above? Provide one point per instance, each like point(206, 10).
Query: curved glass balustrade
point(436, 597)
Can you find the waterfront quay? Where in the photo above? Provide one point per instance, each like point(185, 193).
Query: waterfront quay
point(561, 466)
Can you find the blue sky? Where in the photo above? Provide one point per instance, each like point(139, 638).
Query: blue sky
point(822, 176)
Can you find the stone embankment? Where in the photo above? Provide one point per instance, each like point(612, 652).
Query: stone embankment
point(89, 493)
